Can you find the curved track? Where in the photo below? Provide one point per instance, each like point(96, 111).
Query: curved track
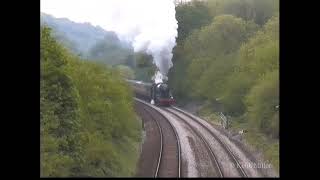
point(210, 156)
point(169, 156)
point(225, 147)
point(213, 157)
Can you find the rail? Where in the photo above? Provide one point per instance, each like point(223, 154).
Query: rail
point(241, 170)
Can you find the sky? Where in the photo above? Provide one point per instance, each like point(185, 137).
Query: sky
point(150, 25)
point(115, 15)
point(97, 12)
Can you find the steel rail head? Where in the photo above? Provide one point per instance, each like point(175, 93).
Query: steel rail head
point(175, 132)
point(161, 142)
point(213, 156)
point(218, 139)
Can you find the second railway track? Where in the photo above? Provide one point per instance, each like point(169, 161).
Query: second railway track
point(213, 157)
point(216, 158)
point(236, 162)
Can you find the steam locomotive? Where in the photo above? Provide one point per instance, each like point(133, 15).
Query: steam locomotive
point(157, 93)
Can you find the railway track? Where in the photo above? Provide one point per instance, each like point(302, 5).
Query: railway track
point(169, 153)
point(213, 157)
point(205, 142)
point(173, 110)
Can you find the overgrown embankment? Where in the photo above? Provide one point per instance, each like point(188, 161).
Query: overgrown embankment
point(227, 60)
point(88, 125)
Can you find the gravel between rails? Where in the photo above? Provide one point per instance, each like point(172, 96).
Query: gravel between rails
point(169, 166)
point(195, 161)
point(195, 156)
point(215, 165)
point(226, 163)
point(169, 160)
point(188, 160)
point(244, 160)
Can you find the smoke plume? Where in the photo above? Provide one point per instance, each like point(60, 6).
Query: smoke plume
point(149, 25)
point(152, 29)
point(157, 35)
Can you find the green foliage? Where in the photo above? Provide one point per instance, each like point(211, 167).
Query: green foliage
point(87, 122)
point(258, 11)
point(143, 60)
point(210, 83)
point(125, 71)
point(211, 44)
point(210, 53)
point(223, 36)
point(111, 51)
point(78, 37)
point(88, 41)
point(190, 16)
point(144, 67)
point(264, 10)
point(59, 109)
point(236, 86)
point(262, 102)
point(231, 65)
point(230, 60)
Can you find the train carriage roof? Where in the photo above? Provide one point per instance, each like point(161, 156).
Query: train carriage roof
point(139, 82)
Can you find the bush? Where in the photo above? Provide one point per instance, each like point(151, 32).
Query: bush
point(262, 102)
point(86, 112)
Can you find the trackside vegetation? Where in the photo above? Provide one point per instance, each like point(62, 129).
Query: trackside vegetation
point(227, 58)
point(87, 123)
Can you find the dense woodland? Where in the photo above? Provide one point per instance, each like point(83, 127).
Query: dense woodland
point(88, 126)
point(89, 42)
point(227, 58)
point(78, 37)
point(97, 45)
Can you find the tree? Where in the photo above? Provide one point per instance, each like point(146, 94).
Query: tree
point(258, 11)
point(264, 10)
point(191, 16)
point(210, 53)
point(254, 59)
point(144, 66)
point(125, 72)
point(59, 110)
point(262, 102)
point(224, 35)
point(87, 123)
point(110, 51)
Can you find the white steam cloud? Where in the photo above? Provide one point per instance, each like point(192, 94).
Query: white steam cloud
point(157, 33)
point(150, 25)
